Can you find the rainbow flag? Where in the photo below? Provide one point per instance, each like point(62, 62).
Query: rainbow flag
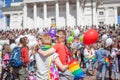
point(45, 47)
point(107, 61)
point(93, 59)
point(75, 69)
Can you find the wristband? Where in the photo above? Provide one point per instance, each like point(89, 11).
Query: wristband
point(36, 49)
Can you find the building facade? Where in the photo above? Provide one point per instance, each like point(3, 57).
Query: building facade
point(45, 13)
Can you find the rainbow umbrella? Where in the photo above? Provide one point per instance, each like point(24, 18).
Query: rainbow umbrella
point(75, 69)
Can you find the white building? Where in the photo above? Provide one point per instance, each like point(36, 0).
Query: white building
point(42, 13)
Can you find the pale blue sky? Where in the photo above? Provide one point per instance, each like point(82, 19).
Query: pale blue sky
point(1, 5)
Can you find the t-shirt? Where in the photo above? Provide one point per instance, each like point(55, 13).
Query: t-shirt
point(63, 52)
point(25, 54)
point(42, 64)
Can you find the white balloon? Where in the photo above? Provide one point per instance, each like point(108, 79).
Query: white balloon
point(17, 41)
point(21, 36)
point(2, 42)
point(32, 44)
point(76, 32)
point(109, 42)
point(40, 31)
point(31, 38)
point(104, 37)
point(12, 46)
point(1, 47)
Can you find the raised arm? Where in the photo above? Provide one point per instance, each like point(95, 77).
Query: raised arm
point(47, 52)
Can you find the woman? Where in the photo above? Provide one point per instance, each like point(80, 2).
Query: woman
point(62, 51)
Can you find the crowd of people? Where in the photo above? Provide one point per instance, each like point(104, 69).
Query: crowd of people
point(40, 52)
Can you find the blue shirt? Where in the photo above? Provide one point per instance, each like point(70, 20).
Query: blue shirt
point(101, 54)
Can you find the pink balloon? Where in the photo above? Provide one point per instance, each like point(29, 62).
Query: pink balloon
point(90, 37)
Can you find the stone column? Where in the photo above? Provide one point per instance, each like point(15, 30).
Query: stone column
point(78, 12)
point(116, 14)
point(57, 13)
point(25, 16)
point(35, 14)
point(106, 15)
point(94, 16)
point(4, 20)
point(45, 14)
point(67, 13)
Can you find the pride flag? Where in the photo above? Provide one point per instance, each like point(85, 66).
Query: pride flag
point(93, 59)
point(45, 47)
point(107, 61)
point(75, 69)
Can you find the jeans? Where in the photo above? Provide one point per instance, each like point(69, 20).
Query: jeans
point(20, 73)
point(66, 75)
point(101, 68)
point(114, 69)
point(87, 66)
point(31, 66)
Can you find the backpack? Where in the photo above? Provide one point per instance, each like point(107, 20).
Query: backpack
point(15, 57)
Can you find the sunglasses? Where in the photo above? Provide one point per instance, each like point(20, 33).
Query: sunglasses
point(58, 36)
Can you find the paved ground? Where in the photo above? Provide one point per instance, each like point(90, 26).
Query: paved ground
point(94, 78)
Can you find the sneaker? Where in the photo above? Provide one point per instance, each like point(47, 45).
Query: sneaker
point(110, 78)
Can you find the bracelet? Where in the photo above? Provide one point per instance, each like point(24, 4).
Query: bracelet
point(37, 49)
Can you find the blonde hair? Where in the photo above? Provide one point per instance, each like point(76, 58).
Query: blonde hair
point(46, 39)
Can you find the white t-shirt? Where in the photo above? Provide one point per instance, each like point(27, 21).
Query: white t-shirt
point(42, 65)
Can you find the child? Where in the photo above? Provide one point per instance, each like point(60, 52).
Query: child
point(32, 60)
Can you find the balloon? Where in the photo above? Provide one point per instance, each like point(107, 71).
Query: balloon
point(104, 37)
point(72, 32)
point(31, 38)
point(40, 31)
point(12, 46)
point(81, 38)
point(52, 32)
point(76, 32)
point(1, 47)
point(109, 42)
point(21, 36)
point(90, 37)
point(70, 39)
